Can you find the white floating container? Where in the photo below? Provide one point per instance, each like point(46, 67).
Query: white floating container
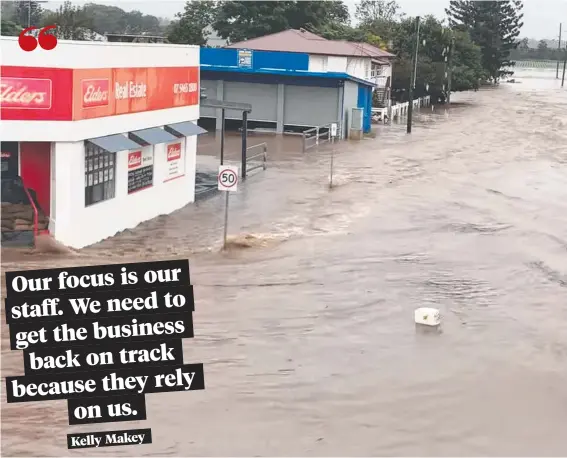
point(427, 316)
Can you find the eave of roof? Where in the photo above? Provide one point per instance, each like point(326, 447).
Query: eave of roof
point(290, 73)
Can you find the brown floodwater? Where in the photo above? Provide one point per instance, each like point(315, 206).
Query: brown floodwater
point(307, 334)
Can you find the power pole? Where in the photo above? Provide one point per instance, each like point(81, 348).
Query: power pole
point(413, 76)
point(450, 70)
point(559, 49)
point(564, 65)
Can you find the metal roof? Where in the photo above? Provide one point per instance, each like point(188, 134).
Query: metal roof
point(114, 143)
point(151, 136)
point(302, 41)
point(185, 129)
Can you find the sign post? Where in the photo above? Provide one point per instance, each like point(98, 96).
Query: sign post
point(227, 182)
point(333, 136)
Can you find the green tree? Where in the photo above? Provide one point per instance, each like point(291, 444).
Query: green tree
point(494, 26)
point(371, 11)
point(10, 29)
point(28, 13)
point(73, 22)
point(112, 19)
point(242, 20)
point(193, 25)
point(433, 59)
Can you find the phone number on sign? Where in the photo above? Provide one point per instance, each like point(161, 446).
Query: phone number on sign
point(182, 88)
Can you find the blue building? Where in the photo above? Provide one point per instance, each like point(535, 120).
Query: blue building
point(295, 80)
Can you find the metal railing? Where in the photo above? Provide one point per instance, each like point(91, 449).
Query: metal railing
point(263, 154)
point(316, 136)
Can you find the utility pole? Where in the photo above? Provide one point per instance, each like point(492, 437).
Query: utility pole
point(564, 65)
point(559, 49)
point(413, 76)
point(450, 70)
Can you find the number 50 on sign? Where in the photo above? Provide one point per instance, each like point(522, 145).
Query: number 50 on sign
point(228, 178)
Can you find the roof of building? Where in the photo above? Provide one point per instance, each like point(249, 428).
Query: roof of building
point(303, 41)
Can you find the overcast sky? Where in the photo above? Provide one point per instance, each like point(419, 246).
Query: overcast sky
point(541, 19)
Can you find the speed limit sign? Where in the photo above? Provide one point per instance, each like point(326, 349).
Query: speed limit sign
point(227, 178)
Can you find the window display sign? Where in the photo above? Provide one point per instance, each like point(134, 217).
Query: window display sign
point(175, 161)
point(140, 169)
point(245, 58)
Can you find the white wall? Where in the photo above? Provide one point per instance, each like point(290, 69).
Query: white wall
point(71, 131)
point(337, 64)
point(78, 226)
point(87, 54)
point(92, 54)
point(317, 63)
point(359, 67)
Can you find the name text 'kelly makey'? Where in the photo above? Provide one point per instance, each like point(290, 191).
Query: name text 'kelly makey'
point(109, 438)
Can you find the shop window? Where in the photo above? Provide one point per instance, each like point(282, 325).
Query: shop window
point(100, 168)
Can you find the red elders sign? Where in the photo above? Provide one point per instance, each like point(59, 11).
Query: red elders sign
point(173, 151)
point(25, 93)
point(61, 94)
point(134, 159)
point(95, 92)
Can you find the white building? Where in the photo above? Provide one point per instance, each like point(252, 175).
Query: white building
point(359, 60)
point(104, 133)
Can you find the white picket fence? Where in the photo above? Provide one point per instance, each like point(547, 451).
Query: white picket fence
point(401, 109)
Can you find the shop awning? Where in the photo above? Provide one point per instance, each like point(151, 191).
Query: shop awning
point(152, 136)
point(185, 129)
point(114, 143)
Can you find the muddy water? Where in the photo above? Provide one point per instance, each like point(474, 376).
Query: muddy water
point(307, 336)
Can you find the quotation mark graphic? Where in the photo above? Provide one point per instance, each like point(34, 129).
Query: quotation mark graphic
point(29, 42)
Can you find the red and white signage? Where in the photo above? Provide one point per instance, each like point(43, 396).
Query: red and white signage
point(174, 151)
point(134, 159)
point(25, 93)
point(175, 160)
point(95, 92)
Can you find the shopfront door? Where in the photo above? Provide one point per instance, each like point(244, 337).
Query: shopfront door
point(10, 163)
point(35, 169)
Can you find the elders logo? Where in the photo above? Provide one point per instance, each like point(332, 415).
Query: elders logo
point(95, 92)
point(174, 152)
point(25, 93)
point(134, 159)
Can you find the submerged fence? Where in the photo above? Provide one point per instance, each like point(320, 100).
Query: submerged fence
point(257, 160)
point(401, 109)
point(316, 136)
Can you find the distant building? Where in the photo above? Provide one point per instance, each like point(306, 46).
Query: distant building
point(133, 38)
point(296, 79)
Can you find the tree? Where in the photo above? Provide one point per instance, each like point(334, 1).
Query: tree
point(28, 13)
point(542, 46)
point(492, 25)
point(193, 25)
point(9, 29)
point(431, 64)
point(370, 11)
point(73, 22)
point(379, 18)
point(242, 20)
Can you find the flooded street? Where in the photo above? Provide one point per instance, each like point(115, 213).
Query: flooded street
point(307, 336)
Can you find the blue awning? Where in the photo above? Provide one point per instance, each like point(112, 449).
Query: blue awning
point(152, 136)
point(185, 129)
point(114, 143)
